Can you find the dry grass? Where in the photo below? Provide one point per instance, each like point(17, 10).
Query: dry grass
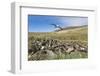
point(78, 35)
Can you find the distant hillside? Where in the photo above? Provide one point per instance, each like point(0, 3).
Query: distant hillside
point(72, 27)
point(72, 33)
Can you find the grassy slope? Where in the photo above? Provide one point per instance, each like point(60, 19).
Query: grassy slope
point(71, 34)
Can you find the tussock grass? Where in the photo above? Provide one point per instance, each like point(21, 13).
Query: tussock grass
point(78, 35)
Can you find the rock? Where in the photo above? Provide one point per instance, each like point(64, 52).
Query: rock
point(42, 49)
point(70, 49)
point(44, 55)
point(83, 49)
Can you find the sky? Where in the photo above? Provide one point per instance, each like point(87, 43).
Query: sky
point(42, 23)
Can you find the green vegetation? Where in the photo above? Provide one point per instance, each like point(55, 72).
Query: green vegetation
point(75, 35)
point(78, 34)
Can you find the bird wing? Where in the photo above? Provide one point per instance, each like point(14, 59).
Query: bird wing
point(54, 25)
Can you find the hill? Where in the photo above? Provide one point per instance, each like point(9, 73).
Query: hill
point(71, 27)
point(57, 41)
point(71, 33)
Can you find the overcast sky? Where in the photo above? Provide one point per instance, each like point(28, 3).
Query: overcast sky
point(40, 23)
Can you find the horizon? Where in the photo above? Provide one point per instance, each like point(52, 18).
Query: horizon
point(43, 23)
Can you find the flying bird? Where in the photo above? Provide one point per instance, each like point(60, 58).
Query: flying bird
point(57, 26)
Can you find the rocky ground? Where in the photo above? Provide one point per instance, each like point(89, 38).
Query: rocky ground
point(49, 49)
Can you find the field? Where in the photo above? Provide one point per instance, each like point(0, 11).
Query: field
point(69, 43)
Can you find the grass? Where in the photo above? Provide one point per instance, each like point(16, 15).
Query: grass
point(78, 35)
